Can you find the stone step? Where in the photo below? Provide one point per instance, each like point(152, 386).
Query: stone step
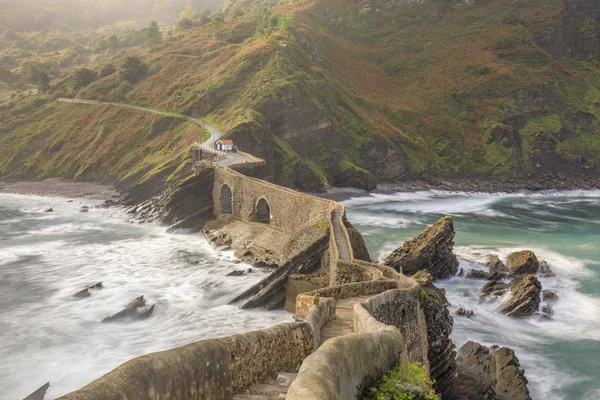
point(272, 389)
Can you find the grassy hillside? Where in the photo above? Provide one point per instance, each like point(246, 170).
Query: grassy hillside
point(336, 93)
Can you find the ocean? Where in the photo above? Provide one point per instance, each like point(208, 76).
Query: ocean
point(47, 335)
point(561, 357)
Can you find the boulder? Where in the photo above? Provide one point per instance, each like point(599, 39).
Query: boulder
point(522, 262)
point(494, 288)
point(549, 296)
point(477, 274)
point(489, 373)
point(525, 296)
point(511, 383)
point(236, 272)
point(49, 210)
point(547, 309)
point(430, 251)
point(137, 309)
point(545, 271)
point(84, 209)
point(495, 264)
point(465, 313)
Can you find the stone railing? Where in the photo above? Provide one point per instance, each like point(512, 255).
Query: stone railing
point(79, 101)
point(344, 365)
point(205, 149)
point(212, 369)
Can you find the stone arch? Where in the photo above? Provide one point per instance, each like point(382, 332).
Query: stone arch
point(263, 211)
point(226, 200)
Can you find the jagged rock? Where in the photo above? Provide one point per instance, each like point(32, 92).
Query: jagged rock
point(475, 377)
point(236, 272)
point(38, 394)
point(461, 272)
point(132, 310)
point(495, 264)
point(49, 210)
point(545, 317)
point(82, 293)
point(547, 309)
point(525, 296)
point(359, 248)
point(84, 209)
point(430, 251)
point(97, 285)
point(549, 296)
point(441, 354)
point(522, 262)
point(494, 288)
point(465, 313)
point(477, 274)
point(489, 374)
point(511, 383)
point(545, 271)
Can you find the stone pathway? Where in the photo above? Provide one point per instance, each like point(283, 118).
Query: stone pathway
point(275, 388)
point(340, 240)
point(342, 324)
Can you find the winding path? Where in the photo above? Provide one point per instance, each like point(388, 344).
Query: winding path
point(338, 234)
point(215, 134)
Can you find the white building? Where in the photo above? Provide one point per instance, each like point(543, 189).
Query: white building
point(225, 145)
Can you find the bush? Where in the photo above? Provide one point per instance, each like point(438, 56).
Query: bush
point(107, 70)
point(393, 68)
point(133, 70)
point(82, 77)
point(408, 381)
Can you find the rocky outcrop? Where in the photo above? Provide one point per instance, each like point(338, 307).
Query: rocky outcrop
point(545, 271)
point(549, 296)
point(494, 288)
point(431, 251)
point(441, 352)
point(522, 262)
point(489, 373)
point(525, 296)
point(357, 242)
point(494, 264)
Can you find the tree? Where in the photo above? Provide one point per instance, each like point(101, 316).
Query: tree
point(188, 13)
point(36, 75)
point(133, 70)
point(5, 75)
point(153, 36)
point(107, 70)
point(216, 23)
point(112, 44)
point(82, 77)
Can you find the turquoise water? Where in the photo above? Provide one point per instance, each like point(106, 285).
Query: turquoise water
point(561, 357)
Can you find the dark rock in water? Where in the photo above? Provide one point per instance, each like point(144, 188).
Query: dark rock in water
point(525, 296)
point(130, 310)
point(145, 312)
point(549, 296)
point(97, 285)
point(249, 270)
point(441, 352)
point(495, 264)
point(477, 274)
point(359, 248)
point(430, 251)
point(545, 317)
point(523, 262)
point(38, 394)
point(496, 275)
point(547, 309)
point(82, 293)
point(49, 209)
point(475, 377)
point(545, 271)
point(511, 383)
point(237, 272)
point(69, 201)
point(465, 313)
point(84, 209)
point(491, 374)
point(494, 288)
point(461, 272)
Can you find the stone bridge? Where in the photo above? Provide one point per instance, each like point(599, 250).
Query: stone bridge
point(349, 333)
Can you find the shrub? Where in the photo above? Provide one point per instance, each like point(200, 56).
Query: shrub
point(407, 381)
point(107, 70)
point(133, 70)
point(393, 68)
point(82, 77)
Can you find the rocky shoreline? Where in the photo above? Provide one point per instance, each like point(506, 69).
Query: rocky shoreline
point(56, 187)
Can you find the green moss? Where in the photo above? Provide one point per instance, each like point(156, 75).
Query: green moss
point(407, 381)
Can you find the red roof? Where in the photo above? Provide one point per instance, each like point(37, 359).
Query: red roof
point(226, 141)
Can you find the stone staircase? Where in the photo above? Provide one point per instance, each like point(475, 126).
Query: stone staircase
point(274, 388)
point(343, 323)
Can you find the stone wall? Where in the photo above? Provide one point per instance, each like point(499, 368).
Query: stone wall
point(212, 369)
point(290, 210)
point(389, 328)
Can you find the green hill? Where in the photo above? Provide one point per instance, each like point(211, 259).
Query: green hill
point(337, 93)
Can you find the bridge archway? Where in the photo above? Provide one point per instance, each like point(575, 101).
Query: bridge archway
point(226, 200)
point(263, 211)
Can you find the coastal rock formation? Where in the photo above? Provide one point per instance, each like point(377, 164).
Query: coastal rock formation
point(431, 251)
point(549, 296)
point(494, 264)
point(494, 288)
point(358, 243)
point(545, 271)
point(525, 296)
point(489, 373)
point(441, 352)
point(522, 262)
point(462, 312)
